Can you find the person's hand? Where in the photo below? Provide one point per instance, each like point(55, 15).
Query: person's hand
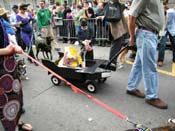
point(43, 30)
point(18, 49)
point(131, 41)
point(11, 48)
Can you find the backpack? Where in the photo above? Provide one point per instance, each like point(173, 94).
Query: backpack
point(113, 12)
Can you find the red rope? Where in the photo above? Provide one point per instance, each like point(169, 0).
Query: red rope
point(77, 90)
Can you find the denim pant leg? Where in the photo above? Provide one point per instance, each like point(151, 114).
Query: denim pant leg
point(116, 46)
point(149, 66)
point(136, 72)
point(172, 39)
point(145, 63)
point(161, 49)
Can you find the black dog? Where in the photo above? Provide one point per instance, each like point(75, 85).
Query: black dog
point(44, 47)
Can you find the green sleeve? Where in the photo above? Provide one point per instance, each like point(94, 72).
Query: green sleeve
point(49, 14)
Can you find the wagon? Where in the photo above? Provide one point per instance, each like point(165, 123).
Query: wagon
point(88, 75)
point(95, 70)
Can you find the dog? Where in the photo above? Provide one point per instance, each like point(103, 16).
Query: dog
point(44, 47)
point(122, 57)
point(21, 69)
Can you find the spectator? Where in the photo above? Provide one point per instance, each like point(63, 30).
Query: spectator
point(64, 27)
point(95, 6)
point(118, 30)
point(8, 28)
point(101, 24)
point(77, 18)
point(70, 25)
point(74, 9)
point(44, 20)
point(169, 31)
point(90, 16)
point(11, 98)
point(24, 18)
point(149, 20)
point(15, 24)
point(86, 38)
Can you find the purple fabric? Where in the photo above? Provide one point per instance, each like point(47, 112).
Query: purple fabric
point(6, 41)
point(10, 99)
point(70, 19)
point(27, 37)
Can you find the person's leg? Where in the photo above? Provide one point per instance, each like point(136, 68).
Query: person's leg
point(116, 46)
point(27, 40)
point(161, 50)
point(172, 39)
point(149, 65)
point(136, 71)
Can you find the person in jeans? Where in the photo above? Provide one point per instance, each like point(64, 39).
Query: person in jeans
point(148, 17)
point(169, 31)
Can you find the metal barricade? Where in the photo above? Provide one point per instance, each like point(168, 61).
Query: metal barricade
point(68, 28)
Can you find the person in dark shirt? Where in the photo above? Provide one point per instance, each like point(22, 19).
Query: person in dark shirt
point(86, 37)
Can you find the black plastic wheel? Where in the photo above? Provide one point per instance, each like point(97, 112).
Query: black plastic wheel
point(56, 81)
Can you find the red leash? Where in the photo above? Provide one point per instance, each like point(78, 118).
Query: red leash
point(77, 90)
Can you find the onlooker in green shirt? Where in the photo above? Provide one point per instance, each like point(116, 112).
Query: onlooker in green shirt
point(44, 20)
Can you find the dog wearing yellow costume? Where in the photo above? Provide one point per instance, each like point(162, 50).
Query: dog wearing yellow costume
point(71, 57)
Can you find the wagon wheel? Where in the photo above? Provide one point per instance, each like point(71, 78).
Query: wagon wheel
point(102, 80)
point(90, 86)
point(56, 81)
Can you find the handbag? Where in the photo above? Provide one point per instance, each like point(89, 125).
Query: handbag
point(113, 12)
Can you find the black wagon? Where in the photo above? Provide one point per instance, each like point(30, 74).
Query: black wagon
point(88, 76)
point(95, 70)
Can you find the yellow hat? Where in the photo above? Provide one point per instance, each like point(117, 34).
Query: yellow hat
point(71, 52)
point(3, 11)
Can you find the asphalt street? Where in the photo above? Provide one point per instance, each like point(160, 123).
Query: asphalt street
point(58, 108)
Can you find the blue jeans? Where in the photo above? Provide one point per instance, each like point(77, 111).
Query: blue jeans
point(163, 46)
point(145, 64)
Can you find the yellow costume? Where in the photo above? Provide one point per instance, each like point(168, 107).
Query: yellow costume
point(71, 57)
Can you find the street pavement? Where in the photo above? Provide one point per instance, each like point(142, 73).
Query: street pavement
point(58, 108)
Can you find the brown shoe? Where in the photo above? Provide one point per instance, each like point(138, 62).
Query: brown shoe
point(136, 93)
point(160, 63)
point(157, 103)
